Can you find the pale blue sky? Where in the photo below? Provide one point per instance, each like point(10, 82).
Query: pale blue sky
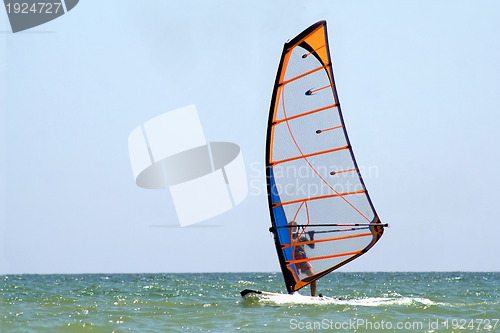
point(418, 81)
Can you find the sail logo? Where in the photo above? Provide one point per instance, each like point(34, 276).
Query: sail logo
point(26, 14)
point(205, 178)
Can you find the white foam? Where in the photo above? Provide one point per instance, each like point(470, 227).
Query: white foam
point(296, 298)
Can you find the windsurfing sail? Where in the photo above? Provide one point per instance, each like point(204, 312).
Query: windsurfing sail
point(322, 216)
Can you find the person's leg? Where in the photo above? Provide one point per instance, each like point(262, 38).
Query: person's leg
point(310, 272)
point(313, 288)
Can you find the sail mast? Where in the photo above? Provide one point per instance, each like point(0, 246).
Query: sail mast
point(271, 187)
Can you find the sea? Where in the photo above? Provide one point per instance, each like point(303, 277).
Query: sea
point(211, 302)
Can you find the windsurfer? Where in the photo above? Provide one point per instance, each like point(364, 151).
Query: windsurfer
point(305, 266)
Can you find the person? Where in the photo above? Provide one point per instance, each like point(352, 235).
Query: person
point(304, 267)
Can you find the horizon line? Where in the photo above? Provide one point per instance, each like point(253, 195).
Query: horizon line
point(239, 272)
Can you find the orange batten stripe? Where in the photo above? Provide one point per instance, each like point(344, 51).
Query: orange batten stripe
point(307, 155)
point(345, 171)
point(302, 75)
point(312, 91)
point(331, 128)
point(306, 55)
point(327, 240)
point(306, 113)
point(316, 198)
point(324, 257)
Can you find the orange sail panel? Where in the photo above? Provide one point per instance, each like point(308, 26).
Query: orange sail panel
point(322, 216)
